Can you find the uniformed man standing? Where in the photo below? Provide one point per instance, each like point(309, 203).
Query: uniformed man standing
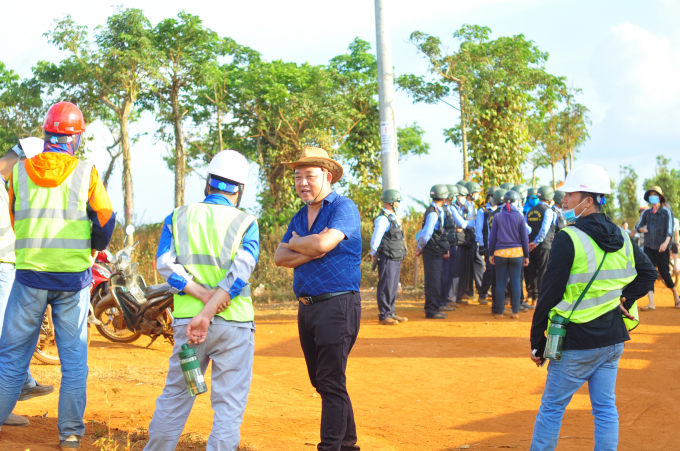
point(541, 219)
point(481, 237)
point(454, 226)
point(497, 201)
point(560, 222)
point(476, 275)
point(389, 248)
point(463, 264)
point(434, 247)
point(595, 276)
point(207, 253)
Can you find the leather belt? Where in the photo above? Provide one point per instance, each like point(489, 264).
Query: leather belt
point(309, 300)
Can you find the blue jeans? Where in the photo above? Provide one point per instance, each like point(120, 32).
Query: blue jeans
point(7, 272)
point(598, 367)
point(508, 267)
point(26, 307)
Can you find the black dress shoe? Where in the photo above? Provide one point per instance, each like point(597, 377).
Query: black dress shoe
point(439, 315)
point(446, 308)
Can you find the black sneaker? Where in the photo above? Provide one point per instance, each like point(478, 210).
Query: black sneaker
point(439, 315)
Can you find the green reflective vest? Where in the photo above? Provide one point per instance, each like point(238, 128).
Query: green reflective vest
point(7, 236)
point(604, 294)
point(51, 224)
point(207, 237)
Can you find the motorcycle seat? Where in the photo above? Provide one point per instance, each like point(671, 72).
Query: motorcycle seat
point(156, 290)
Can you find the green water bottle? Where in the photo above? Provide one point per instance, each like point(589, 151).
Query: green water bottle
point(556, 333)
point(191, 368)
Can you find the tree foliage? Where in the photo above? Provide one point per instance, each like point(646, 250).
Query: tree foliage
point(21, 108)
point(626, 194)
point(668, 179)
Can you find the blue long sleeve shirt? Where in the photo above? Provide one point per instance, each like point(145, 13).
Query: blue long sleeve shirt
point(433, 222)
point(549, 218)
point(381, 226)
point(239, 272)
point(457, 218)
point(479, 224)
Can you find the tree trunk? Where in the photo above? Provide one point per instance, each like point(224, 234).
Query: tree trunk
point(466, 171)
point(219, 124)
point(109, 170)
point(571, 159)
point(180, 152)
point(552, 163)
point(128, 197)
point(533, 177)
point(565, 162)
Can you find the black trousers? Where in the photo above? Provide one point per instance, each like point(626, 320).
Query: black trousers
point(462, 273)
point(533, 274)
point(448, 268)
point(491, 274)
point(328, 331)
point(388, 285)
point(432, 265)
point(662, 261)
point(477, 270)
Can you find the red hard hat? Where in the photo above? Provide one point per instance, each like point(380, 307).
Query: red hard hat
point(64, 118)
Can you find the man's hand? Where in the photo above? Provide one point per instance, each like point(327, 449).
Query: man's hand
point(419, 252)
point(663, 247)
point(537, 360)
point(625, 311)
point(526, 262)
point(446, 256)
point(93, 253)
point(491, 260)
point(197, 329)
point(532, 246)
point(643, 230)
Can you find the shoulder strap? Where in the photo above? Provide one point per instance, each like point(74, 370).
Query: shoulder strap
point(583, 294)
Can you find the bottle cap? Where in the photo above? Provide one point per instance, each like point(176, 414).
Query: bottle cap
point(186, 352)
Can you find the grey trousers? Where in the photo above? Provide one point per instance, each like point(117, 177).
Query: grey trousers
point(388, 285)
point(231, 350)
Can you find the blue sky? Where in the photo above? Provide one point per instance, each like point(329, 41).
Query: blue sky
point(625, 55)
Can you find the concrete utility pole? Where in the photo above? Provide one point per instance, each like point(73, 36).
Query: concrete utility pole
point(388, 130)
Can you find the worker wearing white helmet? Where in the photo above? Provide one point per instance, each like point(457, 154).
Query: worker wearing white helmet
point(587, 305)
point(207, 253)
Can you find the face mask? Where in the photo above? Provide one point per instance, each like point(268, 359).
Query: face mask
point(653, 200)
point(461, 201)
point(570, 215)
point(532, 201)
point(475, 196)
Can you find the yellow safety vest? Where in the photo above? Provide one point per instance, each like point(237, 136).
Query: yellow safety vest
point(207, 237)
point(604, 294)
point(7, 236)
point(51, 224)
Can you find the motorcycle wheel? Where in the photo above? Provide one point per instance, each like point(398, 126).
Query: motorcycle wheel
point(112, 325)
point(46, 348)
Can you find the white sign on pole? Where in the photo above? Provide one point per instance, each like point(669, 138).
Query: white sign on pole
point(387, 136)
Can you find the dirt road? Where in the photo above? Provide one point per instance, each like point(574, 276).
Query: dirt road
point(423, 385)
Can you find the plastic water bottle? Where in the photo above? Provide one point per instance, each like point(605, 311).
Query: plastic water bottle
point(191, 368)
point(556, 333)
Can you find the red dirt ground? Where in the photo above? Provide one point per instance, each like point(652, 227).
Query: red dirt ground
point(423, 385)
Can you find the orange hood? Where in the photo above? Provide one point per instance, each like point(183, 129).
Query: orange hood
point(50, 169)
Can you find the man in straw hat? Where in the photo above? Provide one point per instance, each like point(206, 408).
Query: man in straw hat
point(657, 225)
point(323, 245)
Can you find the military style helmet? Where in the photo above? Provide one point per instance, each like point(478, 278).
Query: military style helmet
point(511, 196)
point(558, 196)
point(491, 190)
point(453, 191)
point(498, 196)
point(462, 190)
point(532, 192)
point(391, 196)
point(461, 182)
point(439, 191)
point(473, 187)
point(521, 190)
point(546, 193)
point(507, 186)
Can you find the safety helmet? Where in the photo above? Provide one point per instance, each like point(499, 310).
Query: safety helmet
point(588, 178)
point(546, 193)
point(559, 195)
point(507, 186)
point(531, 192)
point(229, 165)
point(64, 118)
point(511, 196)
point(462, 190)
point(473, 187)
point(461, 182)
point(453, 191)
point(521, 190)
point(391, 196)
point(491, 190)
point(439, 191)
point(498, 196)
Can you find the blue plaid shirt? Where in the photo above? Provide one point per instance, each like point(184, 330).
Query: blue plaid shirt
point(339, 269)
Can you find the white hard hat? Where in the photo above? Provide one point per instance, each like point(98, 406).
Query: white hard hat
point(230, 165)
point(588, 178)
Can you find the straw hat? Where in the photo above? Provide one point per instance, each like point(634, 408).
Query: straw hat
point(317, 157)
point(658, 190)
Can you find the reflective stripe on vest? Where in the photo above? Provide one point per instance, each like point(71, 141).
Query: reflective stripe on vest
point(604, 294)
point(52, 228)
point(7, 237)
point(207, 238)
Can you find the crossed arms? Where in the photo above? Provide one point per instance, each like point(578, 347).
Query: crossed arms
point(300, 250)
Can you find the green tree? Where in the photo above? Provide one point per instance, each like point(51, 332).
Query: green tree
point(495, 81)
point(185, 49)
point(627, 195)
point(107, 75)
point(669, 182)
point(21, 108)
point(610, 208)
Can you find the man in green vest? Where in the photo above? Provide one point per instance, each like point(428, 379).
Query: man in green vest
point(591, 250)
point(207, 253)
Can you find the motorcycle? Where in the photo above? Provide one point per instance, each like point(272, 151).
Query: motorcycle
point(130, 308)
